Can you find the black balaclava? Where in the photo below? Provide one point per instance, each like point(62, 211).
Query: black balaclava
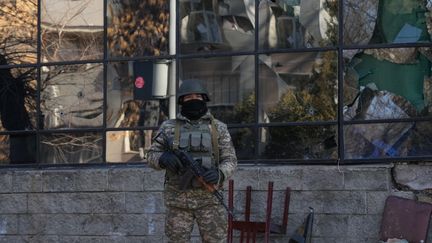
point(193, 109)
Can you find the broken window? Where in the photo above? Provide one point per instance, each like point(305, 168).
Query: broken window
point(276, 73)
point(386, 21)
point(298, 87)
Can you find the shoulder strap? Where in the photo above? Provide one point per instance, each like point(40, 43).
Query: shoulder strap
point(214, 135)
point(176, 141)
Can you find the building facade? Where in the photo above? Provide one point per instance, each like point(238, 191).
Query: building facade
point(332, 98)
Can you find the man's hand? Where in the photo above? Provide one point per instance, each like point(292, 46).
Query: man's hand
point(169, 161)
point(211, 176)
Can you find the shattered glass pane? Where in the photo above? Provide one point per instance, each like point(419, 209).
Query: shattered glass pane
point(398, 21)
point(298, 142)
point(298, 87)
point(230, 83)
point(388, 83)
point(71, 30)
point(71, 148)
point(359, 21)
point(383, 140)
point(72, 96)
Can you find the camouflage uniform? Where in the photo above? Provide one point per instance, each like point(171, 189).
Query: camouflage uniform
point(195, 203)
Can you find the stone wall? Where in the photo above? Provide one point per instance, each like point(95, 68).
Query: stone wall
point(125, 204)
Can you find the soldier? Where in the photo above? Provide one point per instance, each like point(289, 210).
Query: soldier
point(208, 141)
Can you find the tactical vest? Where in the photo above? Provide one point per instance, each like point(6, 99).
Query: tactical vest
point(200, 140)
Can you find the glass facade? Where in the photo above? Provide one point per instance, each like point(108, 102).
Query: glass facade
point(297, 81)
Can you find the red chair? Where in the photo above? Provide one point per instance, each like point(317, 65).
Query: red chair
point(405, 219)
point(249, 229)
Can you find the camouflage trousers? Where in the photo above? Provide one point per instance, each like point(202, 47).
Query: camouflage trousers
point(211, 221)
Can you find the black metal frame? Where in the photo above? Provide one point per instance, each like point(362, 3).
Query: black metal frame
point(339, 122)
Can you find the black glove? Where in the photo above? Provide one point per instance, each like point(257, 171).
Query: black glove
point(211, 176)
point(169, 161)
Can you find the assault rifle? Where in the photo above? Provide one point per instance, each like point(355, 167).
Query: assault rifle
point(195, 168)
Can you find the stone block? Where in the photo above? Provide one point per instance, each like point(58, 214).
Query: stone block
point(66, 224)
point(144, 202)
point(363, 226)
point(330, 225)
point(58, 181)
point(375, 202)
point(244, 177)
point(5, 181)
point(282, 177)
point(14, 239)
point(91, 180)
point(77, 203)
point(329, 202)
point(153, 179)
point(370, 179)
point(27, 181)
point(144, 239)
point(129, 179)
point(32, 224)
point(76, 239)
point(416, 177)
point(93, 224)
point(8, 224)
point(322, 178)
point(13, 203)
point(139, 224)
point(345, 240)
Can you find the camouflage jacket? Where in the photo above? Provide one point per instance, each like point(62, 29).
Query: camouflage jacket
point(227, 157)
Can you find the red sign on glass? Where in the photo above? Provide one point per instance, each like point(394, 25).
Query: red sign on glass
point(139, 82)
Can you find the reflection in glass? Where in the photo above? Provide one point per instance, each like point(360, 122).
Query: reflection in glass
point(360, 18)
point(386, 21)
point(71, 148)
point(298, 87)
point(71, 30)
point(129, 104)
point(18, 31)
point(138, 28)
point(298, 142)
point(297, 24)
point(128, 146)
point(387, 83)
point(17, 149)
point(384, 140)
point(72, 96)
point(199, 26)
point(230, 83)
point(17, 98)
point(244, 142)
